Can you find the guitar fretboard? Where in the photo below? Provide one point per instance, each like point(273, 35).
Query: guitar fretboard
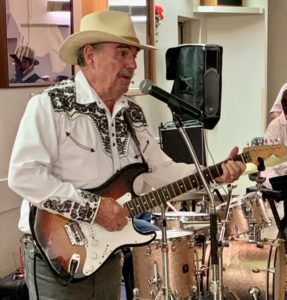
point(157, 197)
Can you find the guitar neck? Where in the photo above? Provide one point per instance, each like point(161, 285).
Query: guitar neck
point(166, 193)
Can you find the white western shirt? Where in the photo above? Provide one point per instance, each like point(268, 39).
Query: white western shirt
point(68, 141)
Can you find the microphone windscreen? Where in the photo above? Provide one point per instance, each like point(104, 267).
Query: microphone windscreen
point(145, 86)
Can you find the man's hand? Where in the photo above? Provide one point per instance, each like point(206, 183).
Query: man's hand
point(231, 169)
point(111, 215)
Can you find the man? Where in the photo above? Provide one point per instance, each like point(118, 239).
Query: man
point(277, 131)
point(74, 137)
point(24, 63)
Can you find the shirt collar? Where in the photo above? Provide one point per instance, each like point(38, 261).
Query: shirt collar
point(86, 95)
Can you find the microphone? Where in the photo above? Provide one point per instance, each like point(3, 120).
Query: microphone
point(175, 103)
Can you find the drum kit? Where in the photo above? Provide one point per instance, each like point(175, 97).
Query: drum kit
point(177, 264)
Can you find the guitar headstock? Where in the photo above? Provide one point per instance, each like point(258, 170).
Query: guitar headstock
point(265, 151)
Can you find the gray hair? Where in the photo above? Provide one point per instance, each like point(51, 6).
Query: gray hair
point(81, 59)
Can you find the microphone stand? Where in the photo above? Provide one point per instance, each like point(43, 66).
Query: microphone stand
point(214, 287)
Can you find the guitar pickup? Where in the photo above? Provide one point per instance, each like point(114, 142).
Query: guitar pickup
point(75, 234)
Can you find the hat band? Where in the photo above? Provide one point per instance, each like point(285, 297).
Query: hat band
point(132, 39)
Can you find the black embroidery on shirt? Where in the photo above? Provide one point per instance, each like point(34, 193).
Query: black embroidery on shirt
point(74, 210)
point(63, 99)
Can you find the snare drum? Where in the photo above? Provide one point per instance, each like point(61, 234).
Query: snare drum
point(183, 220)
point(244, 211)
point(148, 267)
point(248, 268)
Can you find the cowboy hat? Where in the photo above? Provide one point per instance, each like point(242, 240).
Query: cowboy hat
point(99, 27)
point(24, 52)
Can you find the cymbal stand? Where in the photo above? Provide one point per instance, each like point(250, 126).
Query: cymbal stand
point(214, 287)
point(165, 289)
point(222, 242)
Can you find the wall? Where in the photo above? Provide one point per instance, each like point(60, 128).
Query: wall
point(12, 103)
point(243, 105)
point(277, 45)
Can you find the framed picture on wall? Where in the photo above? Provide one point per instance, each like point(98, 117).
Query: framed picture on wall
point(31, 33)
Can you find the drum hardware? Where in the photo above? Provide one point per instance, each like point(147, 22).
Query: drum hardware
point(156, 280)
point(254, 292)
point(251, 272)
point(166, 291)
point(257, 270)
point(136, 294)
point(225, 219)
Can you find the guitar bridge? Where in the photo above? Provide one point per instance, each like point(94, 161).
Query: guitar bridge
point(75, 234)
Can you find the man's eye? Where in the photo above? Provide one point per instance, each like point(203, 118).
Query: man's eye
point(124, 52)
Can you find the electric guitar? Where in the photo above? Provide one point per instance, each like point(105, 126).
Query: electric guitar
point(76, 249)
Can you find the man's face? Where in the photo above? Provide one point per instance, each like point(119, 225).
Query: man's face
point(114, 66)
point(21, 65)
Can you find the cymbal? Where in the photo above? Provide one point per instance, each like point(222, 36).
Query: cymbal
point(191, 195)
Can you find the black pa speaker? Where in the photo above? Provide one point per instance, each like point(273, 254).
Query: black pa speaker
point(197, 73)
point(174, 146)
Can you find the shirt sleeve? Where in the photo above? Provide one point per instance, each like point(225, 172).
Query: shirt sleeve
point(277, 106)
point(31, 166)
point(163, 170)
point(273, 132)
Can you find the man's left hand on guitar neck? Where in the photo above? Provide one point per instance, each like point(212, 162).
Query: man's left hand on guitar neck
point(232, 170)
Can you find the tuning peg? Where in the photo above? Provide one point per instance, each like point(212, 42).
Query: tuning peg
point(277, 141)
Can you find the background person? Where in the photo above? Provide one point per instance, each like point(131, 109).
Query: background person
point(276, 108)
point(24, 62)
point(74, 136)
point(277, 131)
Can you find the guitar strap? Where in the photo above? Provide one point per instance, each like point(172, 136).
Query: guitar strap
point(134, 136)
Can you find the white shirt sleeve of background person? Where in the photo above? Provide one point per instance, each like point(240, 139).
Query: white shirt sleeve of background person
point(273, 132)
point(277, 107)
point(31, 173)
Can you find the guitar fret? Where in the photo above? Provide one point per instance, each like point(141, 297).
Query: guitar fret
point(137, 205)
point(181, 186)
point(246, 157)
point(208, 175)
point(157, 197)
point(162, 195)
point(190, 182)
point(152, 200)
point(166, 194)
point(145, 202)
point(131, 207)
point(197, 181)
point(176, 189)
point(171, 191)
point(187, 183)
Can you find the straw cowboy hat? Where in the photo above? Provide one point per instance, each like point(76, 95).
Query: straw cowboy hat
point(24, 52)
point(99, 27)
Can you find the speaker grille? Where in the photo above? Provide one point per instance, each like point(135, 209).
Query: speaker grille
point(211, 92)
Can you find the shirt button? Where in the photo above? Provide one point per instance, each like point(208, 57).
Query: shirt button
point(113, 134)
point(114, 144)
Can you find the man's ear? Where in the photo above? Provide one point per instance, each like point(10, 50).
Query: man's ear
point(88, 53)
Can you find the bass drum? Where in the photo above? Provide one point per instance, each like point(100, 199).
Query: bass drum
point(148, 266)
point(250, 269)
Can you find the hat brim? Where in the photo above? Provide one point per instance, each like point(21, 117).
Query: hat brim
point(35, 61)
point(70, 47)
